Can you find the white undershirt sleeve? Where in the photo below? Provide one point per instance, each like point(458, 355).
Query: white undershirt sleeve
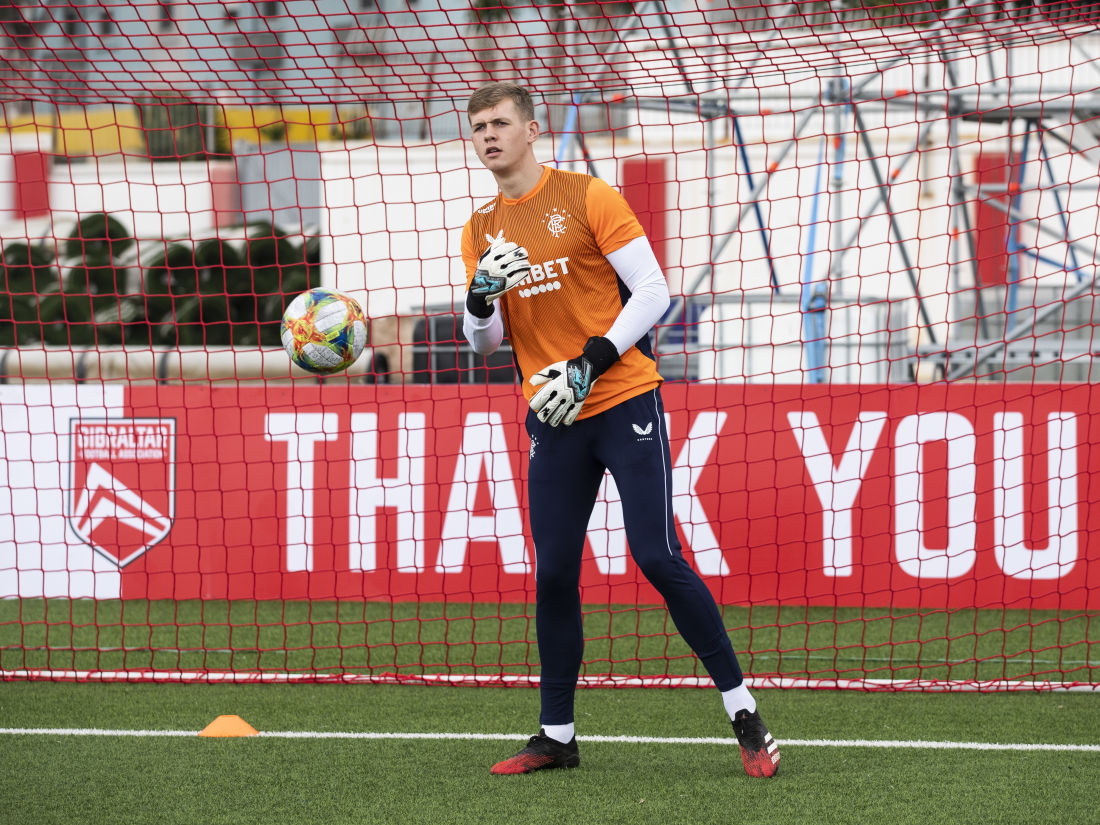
point(637, 266)
point(484, 334)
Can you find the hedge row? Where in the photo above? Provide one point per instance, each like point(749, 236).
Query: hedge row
point(100, 286)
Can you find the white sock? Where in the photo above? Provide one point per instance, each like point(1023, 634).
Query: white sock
point(738, 698)
point(559, 733)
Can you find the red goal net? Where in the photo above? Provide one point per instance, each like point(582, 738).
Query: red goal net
point(878, 223)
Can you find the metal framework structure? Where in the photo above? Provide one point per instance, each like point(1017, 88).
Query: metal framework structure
point(1015, 324)
point(1031, 120)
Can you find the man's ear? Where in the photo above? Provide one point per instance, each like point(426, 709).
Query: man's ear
point(532, 131)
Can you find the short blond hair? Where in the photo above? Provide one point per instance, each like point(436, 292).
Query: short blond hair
point(489, 96)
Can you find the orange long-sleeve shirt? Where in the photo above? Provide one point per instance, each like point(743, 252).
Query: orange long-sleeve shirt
point(568, 223)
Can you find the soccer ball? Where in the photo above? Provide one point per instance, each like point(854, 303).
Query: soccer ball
point(324, 331)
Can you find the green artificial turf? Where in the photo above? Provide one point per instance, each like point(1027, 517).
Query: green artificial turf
point(188, 779)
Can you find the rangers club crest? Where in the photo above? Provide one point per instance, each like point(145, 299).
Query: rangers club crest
point(122, 484)
point(555, 222)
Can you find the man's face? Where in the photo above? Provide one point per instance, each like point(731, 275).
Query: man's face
point(501, 137)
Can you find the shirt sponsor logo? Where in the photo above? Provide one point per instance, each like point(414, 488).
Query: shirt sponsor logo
point(543, 277)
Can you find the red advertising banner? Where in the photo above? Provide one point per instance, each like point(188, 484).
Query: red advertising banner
point(918, 496)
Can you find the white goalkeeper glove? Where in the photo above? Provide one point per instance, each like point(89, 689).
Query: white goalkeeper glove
point(501, 267)
point(566, 384)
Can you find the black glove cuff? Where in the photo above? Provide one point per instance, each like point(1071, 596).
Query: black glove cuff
point(601, 354)
point(478, 306)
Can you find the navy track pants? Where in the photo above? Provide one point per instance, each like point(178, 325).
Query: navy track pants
point(566, 468)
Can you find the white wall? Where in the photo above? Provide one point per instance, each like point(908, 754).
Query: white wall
point(39, 554)
point(156, 200)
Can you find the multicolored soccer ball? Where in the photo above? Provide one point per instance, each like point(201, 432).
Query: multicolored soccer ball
point(324, 331)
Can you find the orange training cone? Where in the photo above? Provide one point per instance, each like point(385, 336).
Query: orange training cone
point(228, 726)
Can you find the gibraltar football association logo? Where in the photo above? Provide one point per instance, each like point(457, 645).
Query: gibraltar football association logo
point(122, 484)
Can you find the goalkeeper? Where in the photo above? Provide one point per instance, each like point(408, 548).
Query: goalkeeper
point(559, 261)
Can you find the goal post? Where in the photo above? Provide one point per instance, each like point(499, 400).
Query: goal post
point(879, 230)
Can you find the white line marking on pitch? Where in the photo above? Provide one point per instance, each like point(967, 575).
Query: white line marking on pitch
point(632, 740)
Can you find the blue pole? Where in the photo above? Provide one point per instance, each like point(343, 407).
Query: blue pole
point(1013, 244)
point(1077, 269)
point(812, 301)
point(568, 128)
